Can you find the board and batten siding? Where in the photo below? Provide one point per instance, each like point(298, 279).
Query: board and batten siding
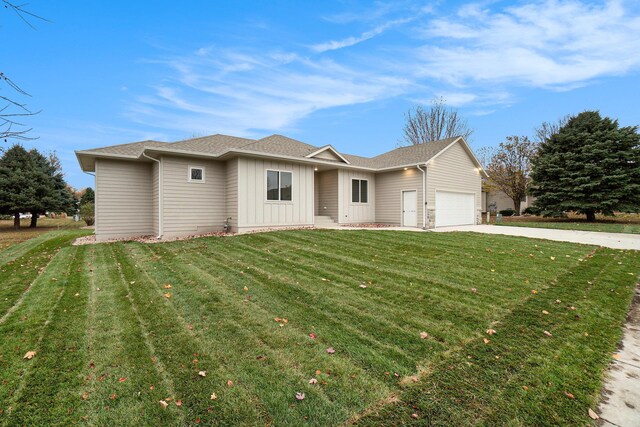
point(354, 213)
point(124, 202)
point(232, 193)
point(389, 188)
point(192, 207)
point(327, 193)
point(453, 170)
point(255, 211)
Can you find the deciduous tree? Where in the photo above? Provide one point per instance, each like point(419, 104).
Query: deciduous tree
point(438, 122)
point(509, 167)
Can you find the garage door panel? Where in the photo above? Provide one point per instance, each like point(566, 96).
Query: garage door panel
point(454, 208)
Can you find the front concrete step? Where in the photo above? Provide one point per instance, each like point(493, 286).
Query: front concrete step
point(324, 221)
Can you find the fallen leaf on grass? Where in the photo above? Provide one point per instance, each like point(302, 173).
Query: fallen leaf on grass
point(569, 395)
point(424, 335)
point(121, 379)
point(312, 336)
point(113, 396)
point(245, 289)
point(167, 286)
point(545, 312)
point(616, 356)
point(163, 404)
point(491, 331)
point(214, 396)
point(299, 396)
point(534, 291)
point(331, 350)
point(552, 258)
point(363, 286)
point(202, 373)
point(85, 395)
point(77, 295)
point(547, 333)
point(167, 295)
point(414, 415)
point(486, 341)
point(318, 371)
point(474, 290)
point(525, 388)
point(229, 383)
point(593, 415)
point(29, 355)
point(313, 381)
point(178, 402)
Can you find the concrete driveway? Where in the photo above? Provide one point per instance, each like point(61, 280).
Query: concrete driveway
point(608, 240)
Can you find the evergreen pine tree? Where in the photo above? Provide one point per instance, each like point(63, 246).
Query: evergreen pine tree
point(591, 165)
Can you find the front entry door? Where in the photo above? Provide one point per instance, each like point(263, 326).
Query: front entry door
point(409, 209)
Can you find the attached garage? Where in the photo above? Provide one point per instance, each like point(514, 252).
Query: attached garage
point(455, 208)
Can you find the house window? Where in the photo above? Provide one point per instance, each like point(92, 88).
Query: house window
point(359, 191)
point(196, 174)
point(279, 184)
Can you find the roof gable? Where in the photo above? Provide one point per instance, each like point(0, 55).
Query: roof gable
point(328, 153)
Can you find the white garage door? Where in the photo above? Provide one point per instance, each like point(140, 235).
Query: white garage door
point(454, 208)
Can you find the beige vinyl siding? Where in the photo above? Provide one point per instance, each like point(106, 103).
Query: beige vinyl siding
point(328, 155)
point(192, 207)
point(453, 170)
point(123, 199)
point(328, 193)
point(155, 199)
point(253, 208)
point(389, 187)
point(232, 193)
point(354, 213)
point(503, 202)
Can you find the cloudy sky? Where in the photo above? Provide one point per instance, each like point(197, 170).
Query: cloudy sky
point(324, 72)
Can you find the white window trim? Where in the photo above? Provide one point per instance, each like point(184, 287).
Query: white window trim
point(266, 193)
point(360, 192)
point(196, 180)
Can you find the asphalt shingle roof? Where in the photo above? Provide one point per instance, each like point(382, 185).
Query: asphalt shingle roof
point(278, 145)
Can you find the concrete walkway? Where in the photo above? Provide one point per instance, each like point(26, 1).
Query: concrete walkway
point(608, 240)
point(620, 405)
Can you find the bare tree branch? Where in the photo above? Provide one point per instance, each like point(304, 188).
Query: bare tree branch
point(7, 116)
point(439, 122)
point(546, 129)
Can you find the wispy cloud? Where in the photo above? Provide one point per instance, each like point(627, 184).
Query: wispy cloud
point(245, 94)
point(477, 58)
point(351, 41)
point(552, 44)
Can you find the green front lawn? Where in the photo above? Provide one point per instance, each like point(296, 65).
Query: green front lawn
point(609, 227)
point(227, 330)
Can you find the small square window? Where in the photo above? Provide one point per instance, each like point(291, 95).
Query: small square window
point(196, 174)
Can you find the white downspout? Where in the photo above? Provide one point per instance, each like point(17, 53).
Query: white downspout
point(160, 219)
point(424, 195)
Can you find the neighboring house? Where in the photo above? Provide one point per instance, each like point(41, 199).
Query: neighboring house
point(496, 200)
point(193, 186)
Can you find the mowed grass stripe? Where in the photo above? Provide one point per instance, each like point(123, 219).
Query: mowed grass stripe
point(53, 374)
point(183, 351)
point(18, 274)
point(22, 330)
point(288, 354)
point(478, 256)
point(299, 302)
point(521, 376)
point(412, 298)
point(123, 382)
